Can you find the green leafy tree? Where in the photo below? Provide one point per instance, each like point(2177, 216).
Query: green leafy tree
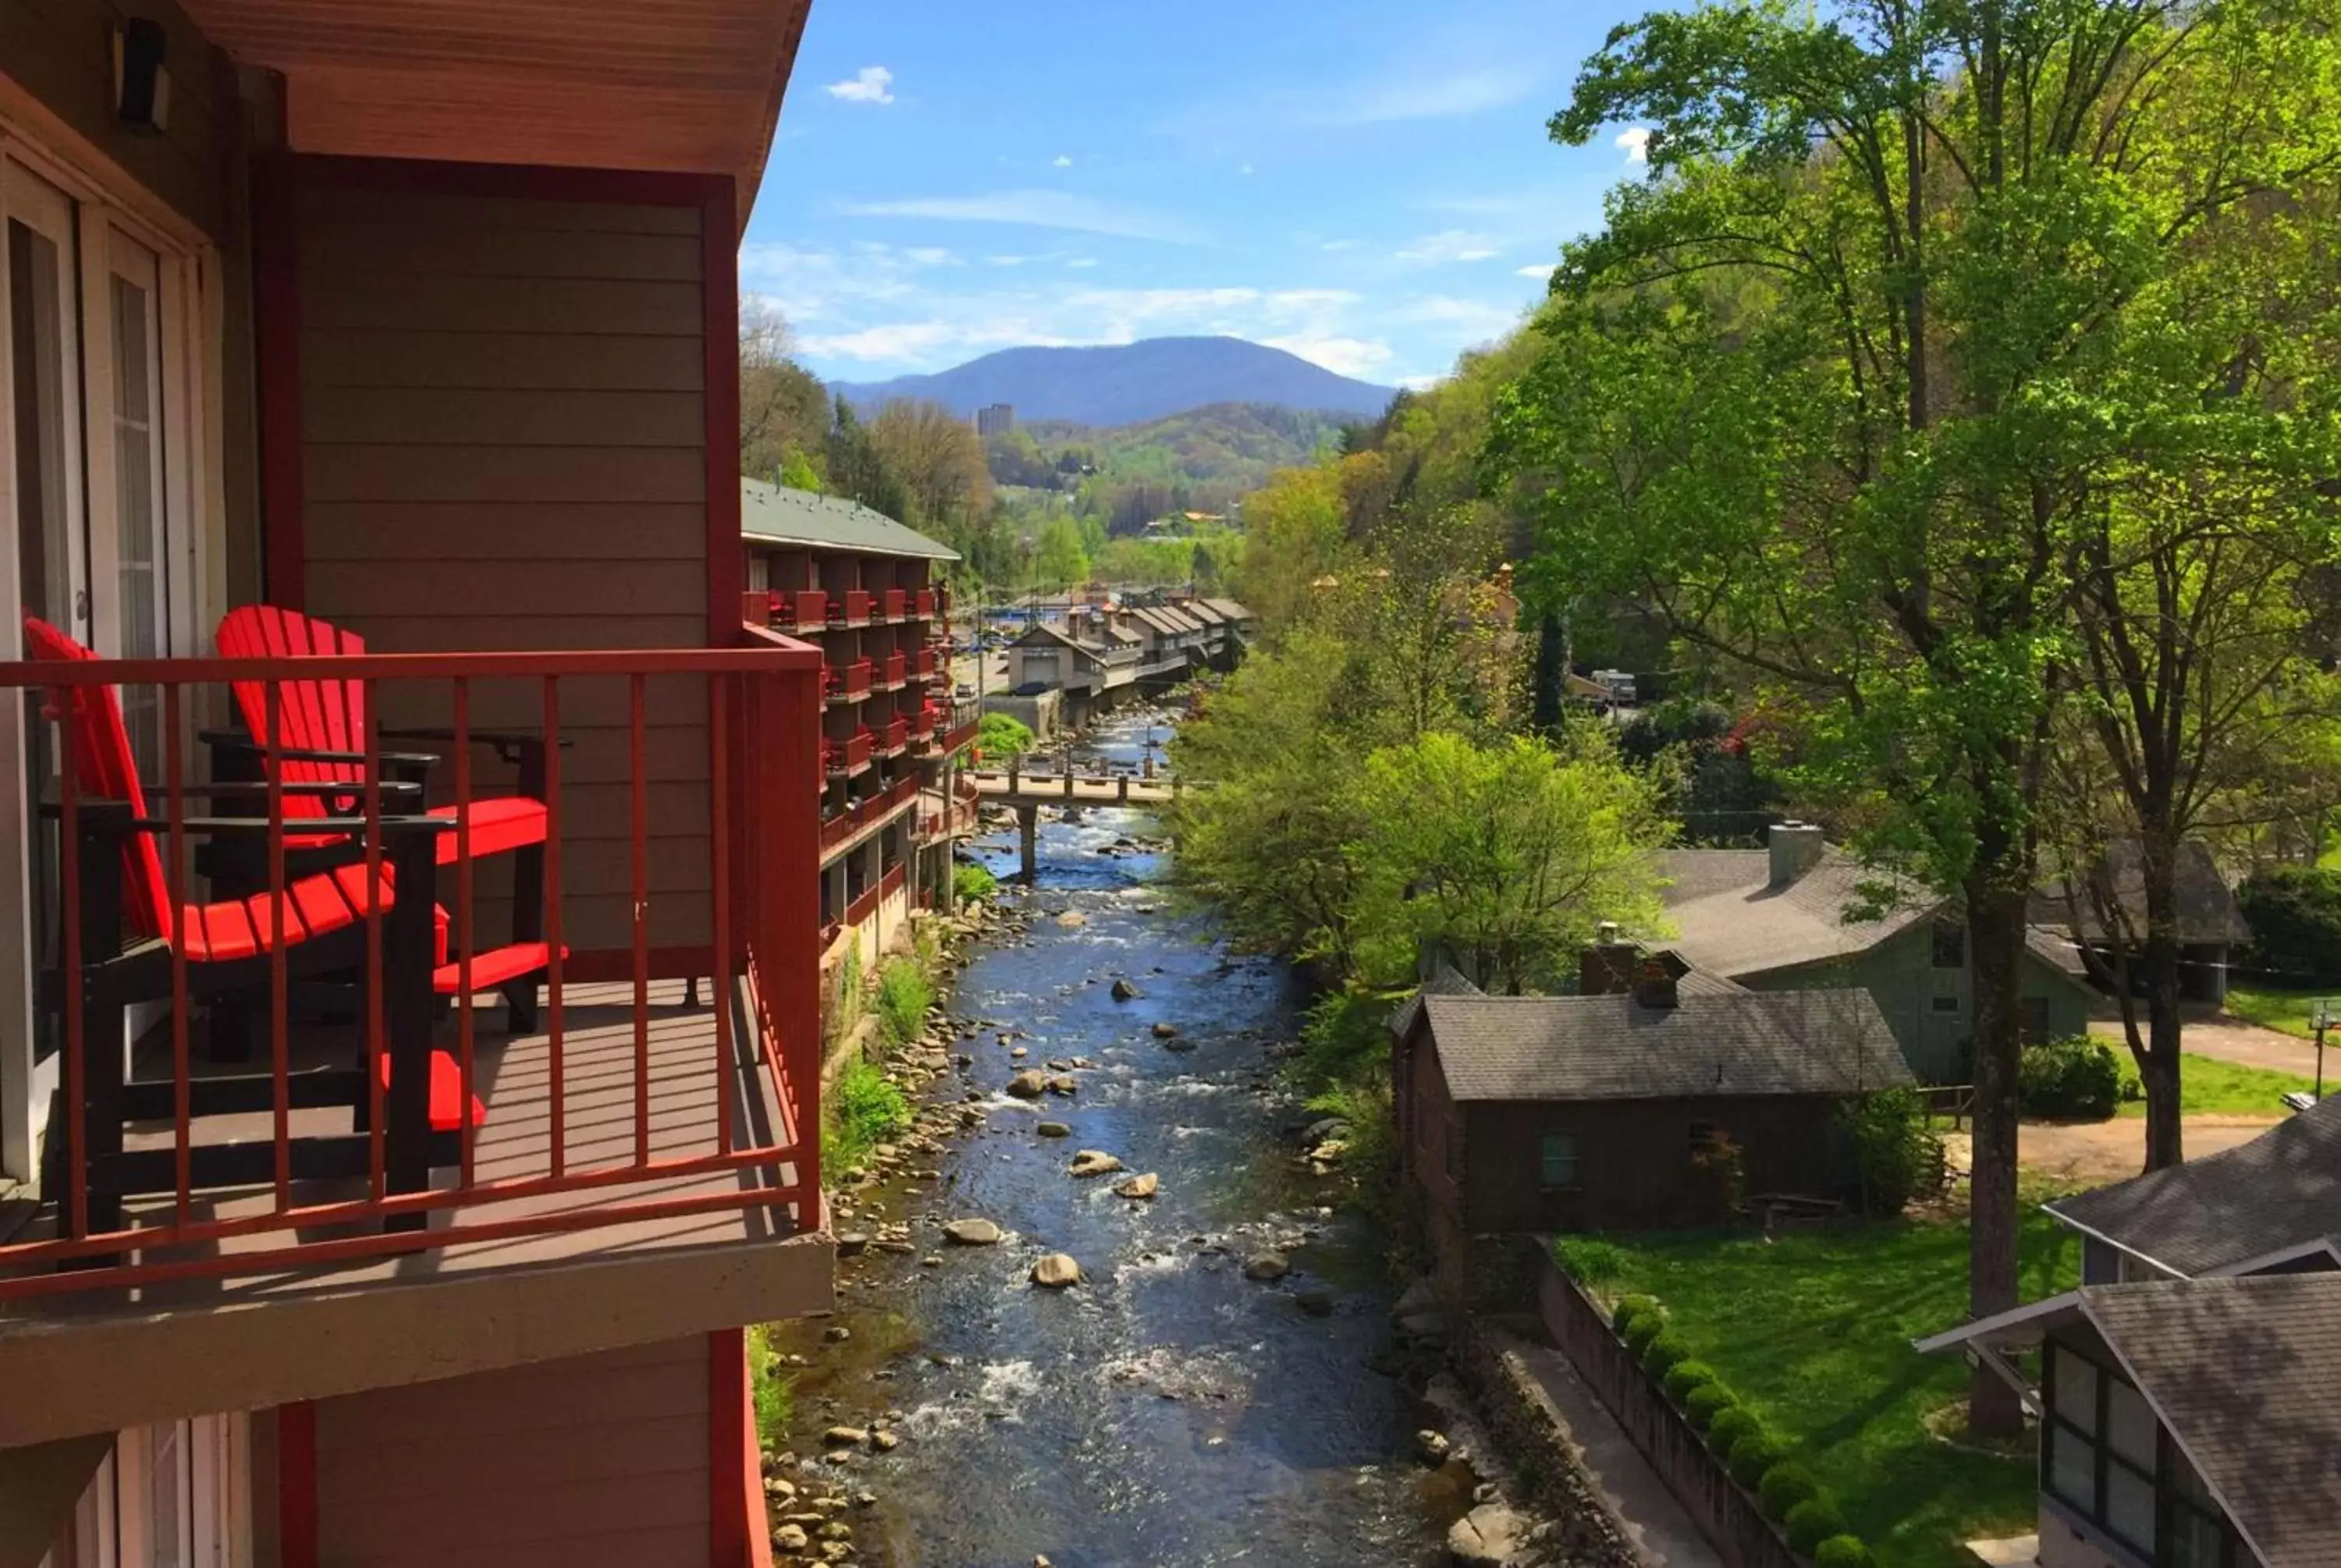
point(1830, 389)
point(858, 470)
point(799, 473)
point(1002, 737)
point(1506, 855)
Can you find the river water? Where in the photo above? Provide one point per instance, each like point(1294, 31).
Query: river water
point(1167, 1410)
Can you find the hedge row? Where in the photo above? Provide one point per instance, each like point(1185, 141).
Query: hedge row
point(1759, 1462)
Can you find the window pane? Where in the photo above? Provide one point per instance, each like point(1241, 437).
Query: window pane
point(138, 513)
point(2197, 1540)
point(2129, 1506)
point(167, 1495)
point(2076, 1390)
point(2129, 1424)
point(2073, 1468)
point(1557, 1157)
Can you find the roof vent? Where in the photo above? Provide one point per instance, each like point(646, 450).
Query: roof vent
point(1796, 850)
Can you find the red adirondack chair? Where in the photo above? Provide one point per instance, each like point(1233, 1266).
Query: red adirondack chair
point(129, 924)
point(323, 733)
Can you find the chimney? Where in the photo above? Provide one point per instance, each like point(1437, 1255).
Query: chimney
point(1606, 968)
point(1796, 850)
point(1654, 983)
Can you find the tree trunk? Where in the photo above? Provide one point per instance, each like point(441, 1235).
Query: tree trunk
point(1551, 672)
point(1996, 924)
point(2158, 1071)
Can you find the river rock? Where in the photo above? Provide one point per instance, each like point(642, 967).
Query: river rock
point(1123, 991)
point(1094, 1162)
point(1266, 1266)
point(1165, 1031)
point(1071, 919)
point(851, 1244)
point(1054, 1130)
point(845, 1438)
point(1029, 1085)
point(1064, 1083)
point(972, 1232)
point(885, 1441)
point(790, 1538)
point(837, 1334)
point(1139, 1187)
point(1056, 1271)
point(1432, 1447)
point(1486, 1537)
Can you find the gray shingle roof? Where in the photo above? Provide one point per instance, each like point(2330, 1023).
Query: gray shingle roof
point(2208, 912)
point(1733, 922)
point(770, 514)
point(1719, 1041)
point(1229, 608)
point(2281, 1190)
point(2246, 1373)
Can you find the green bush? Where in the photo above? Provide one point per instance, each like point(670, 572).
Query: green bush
point(1812, 1521)
point(1589, 1259)
point(1784, 1486)
point(1752, 1458)
point(865, 1110)
point(1644, 1328)
point(1630, 1307)
point(2295, 914)
point(1895, 1153)
point(999, 738)
point(1729, 1426)
point(971, 883)
point(1684, 1376)
point(1663, 1354)
point(2076, 1079)
point(1708, 1403)
point(903, 997)
point(775, 1393)
point(1841, 1552)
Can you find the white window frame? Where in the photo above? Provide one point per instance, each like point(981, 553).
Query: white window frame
point(114, 1522)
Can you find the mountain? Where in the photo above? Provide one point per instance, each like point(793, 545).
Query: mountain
point(1224, 450)
point(1130, 384)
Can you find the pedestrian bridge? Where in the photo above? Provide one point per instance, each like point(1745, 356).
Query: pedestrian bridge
point(1014, 787)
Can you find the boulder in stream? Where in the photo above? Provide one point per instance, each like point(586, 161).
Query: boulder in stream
point(1139, 1187)
point(1094, 1162)
point(971, 1233)
point(1053, 1130)
point(1486, 1537)
point(1123, 991)
point(1266, 1266)
point(1056, 1271)
point(1029, 1085)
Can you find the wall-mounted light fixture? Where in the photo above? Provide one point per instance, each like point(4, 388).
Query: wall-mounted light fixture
point(142, 85)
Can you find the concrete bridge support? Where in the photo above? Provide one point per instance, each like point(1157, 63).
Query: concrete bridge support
point(1028, 834)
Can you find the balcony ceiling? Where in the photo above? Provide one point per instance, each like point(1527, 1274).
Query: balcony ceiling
point(689, 85)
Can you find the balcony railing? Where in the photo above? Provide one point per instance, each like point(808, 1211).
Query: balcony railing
point(894, 673)
point(844, 758)
point(924, 605)
point(851, 822)
point(923, 664)
point(897, 603)
point(849, 683)
point(850, 608)
point(893, 738)
point(808, 609)
point(407, 1131)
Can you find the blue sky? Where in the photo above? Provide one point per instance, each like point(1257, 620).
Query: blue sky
point(1367, 183)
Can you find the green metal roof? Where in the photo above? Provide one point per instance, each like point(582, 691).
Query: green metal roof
point(770, 514)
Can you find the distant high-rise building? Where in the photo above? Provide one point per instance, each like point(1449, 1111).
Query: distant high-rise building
point(997, 420)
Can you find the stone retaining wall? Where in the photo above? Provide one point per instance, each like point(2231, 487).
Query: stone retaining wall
point(1534, 1439)
point(1722, 1508)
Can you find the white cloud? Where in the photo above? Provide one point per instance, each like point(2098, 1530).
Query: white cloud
point(1540, 270)
point(1477, 320)
point(1449, 245)
point(1634, 141)
point(1410, 96)
point(1064, 161)
point(1035, 209)
point(1342, 356)
point(932, 256)
point(1340, 244)
point(1007, 261)
point(1245, 170)
point(1082, 262)
point(871, 84)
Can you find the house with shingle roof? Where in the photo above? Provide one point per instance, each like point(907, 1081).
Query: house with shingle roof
point(2186, 1422)
point(2210, 922)
point(1622, 1108)
point(1800, 914)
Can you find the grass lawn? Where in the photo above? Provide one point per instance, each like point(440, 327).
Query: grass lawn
point(2282, 1008)
point(1812, 1332)
point(2208, 1084)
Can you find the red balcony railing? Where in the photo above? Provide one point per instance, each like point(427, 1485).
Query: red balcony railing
point(850, 608)
point(848, 756)
point(924, 663)
point(898, 603)
point(849, 683)
point(808, 610)
point(585, 1117)
point(894, 737)
point(923, 604)
point(894, 673)
point(850, 822)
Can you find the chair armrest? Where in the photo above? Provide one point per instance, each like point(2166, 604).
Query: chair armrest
point(249, 827)
point(236, 741)
point(402, 789)
point(520, 749)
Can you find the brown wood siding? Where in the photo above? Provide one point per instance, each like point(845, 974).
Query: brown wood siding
point(503, 448)
point(61, 53)
point(1634, 1160)
point(598, 1459)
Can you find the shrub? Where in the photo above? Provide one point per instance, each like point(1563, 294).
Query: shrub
point(971, 883)
point(775, 1393)
point(865, 1110)
point(1729, 1426)
point(903, 997)
point(1812, 1521)
point(1663, 1354)
point(2295, 914)
point(1752, 1458)
point(1638, 1334)
point(1685, 1376)
point(1784, 1486)
point(1000, 736)
point(1841, 1552)
point(1630, 1307)
point(1893, 1154)
point(1708, 1403)
point(2074, 1080)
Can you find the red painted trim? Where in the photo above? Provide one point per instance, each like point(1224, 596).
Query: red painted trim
point(518, 182)
point(276, 331)
point(719, 252)
point(735, 1512)
point(599, 965)
point(296, 1485)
